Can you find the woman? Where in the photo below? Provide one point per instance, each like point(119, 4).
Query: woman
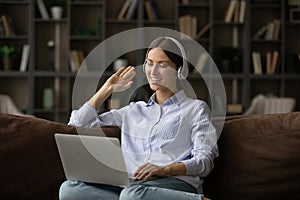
point(164, 141)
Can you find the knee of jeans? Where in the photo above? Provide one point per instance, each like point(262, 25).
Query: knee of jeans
point(68, 190)
point(133, 192)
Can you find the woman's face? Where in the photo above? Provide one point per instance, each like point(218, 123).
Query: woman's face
point(160, 71)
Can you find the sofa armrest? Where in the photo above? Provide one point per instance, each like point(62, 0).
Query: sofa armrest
point(30, 164)
point(259, 158)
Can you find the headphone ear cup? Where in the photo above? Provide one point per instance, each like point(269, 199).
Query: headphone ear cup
point(182, 72)
point(179, 72)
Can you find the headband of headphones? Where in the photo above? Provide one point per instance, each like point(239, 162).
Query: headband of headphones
point(183, 70)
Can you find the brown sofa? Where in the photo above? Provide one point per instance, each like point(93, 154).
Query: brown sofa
point(259, 158)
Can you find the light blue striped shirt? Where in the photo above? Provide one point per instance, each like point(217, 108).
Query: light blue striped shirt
point(180, 130)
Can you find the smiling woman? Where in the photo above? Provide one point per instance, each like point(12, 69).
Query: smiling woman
point(164, 158)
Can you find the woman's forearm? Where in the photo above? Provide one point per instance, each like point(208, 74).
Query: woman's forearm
point(98, 99)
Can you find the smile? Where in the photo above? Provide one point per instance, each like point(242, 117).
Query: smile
point(154, 79)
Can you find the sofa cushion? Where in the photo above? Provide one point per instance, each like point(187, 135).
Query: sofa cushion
point(259, 159)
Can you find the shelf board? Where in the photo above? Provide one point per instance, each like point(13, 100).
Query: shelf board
point(159, 21)
point(266, 76)
point(194, 5)
point(292, 24)
point(14, 74)
point(87, 3)
point(233, 75)
point(123, 21)
point(196, 76)
point(51, 74)
point(14, 2)
point(265, 5)
point(54, 21)
point(88, 37)
point(16, 37)
point(292, 76)
point(223, 23)
point(265, 41)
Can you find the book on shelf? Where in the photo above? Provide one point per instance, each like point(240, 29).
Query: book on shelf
point(124, 9)
point(256, 60)
point(259, 63)
point(260, 32)
point(185, 2)
point(203, 30)
point(234, 108)
point(76, 58)
point(235, 17)
point(235, 11)
point(242, 11)
point(274, 61)
point(8, 26)
point(268, 62)
point(269, 31)
point(132, 9)
point(277, 25)
point(42, 8)
point(2, 31)
point(188, 25)
point(235, 37)
point(24, 57)
point(151, 10)
point(230, 11)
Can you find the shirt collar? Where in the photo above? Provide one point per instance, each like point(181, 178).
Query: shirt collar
point(175, 99)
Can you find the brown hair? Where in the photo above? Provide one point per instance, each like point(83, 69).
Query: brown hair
point(170, 49)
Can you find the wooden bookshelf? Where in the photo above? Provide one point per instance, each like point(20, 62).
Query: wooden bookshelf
point(230, 43)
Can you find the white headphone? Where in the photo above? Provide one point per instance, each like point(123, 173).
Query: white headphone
point(183, 71)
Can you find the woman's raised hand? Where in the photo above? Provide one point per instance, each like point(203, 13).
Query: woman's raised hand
point(122, 79)
point(118, 82)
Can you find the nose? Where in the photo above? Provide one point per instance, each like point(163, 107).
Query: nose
point(154, 69)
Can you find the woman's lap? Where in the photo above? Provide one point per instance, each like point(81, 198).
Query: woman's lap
point(161, 188)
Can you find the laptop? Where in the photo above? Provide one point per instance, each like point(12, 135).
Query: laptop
point(92, 159)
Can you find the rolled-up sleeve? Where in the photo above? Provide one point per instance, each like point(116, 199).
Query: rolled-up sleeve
point(88, 117)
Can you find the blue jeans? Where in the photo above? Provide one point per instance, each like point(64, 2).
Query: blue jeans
point(161, 188)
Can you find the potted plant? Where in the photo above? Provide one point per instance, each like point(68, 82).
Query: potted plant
point(8, 53)
point(56, 8)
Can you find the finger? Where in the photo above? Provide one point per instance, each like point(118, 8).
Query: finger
point(147, 171)
point(129, 76)
point(127, 69)
point(139, 170)
point(141, 176)
point(118, 73)
point(142, 171)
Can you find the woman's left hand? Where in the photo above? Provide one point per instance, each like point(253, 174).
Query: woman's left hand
point(148, 171)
